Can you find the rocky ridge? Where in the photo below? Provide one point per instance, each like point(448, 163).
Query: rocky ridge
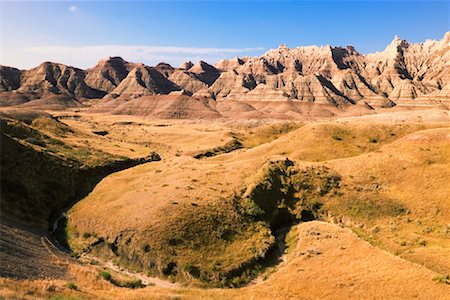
point(403, 74)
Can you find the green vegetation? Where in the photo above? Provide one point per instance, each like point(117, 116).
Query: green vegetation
point(132, 284)
point(86, 235)
point(71, 285)
point(105, 275)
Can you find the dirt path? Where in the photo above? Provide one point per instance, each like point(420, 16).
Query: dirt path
point(147, 280)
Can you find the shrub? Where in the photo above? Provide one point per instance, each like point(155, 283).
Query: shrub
point(86, 235)
point(146, 248)
point(105, 275)
point(71, 285)
point(93, 262)
point(192, 270)
point(133, 284)
point(442, 279)
point(423, 243)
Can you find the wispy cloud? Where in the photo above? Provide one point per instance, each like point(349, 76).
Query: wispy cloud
point(89, 55)
point(137, 50)
point(74, 9)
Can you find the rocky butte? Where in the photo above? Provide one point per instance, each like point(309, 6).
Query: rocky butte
point(282, 82)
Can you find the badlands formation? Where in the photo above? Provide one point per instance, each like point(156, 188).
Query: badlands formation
point(281, 83)
point(306, 173)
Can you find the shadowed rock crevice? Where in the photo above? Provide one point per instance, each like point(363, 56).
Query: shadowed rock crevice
point(227, 148)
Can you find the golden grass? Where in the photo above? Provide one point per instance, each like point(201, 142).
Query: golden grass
point(327, 262)
point(392, 191)
point(180, 207)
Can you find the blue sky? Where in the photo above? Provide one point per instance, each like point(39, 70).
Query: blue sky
point(80, 33)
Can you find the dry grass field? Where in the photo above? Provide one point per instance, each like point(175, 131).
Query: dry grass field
point(357, 207)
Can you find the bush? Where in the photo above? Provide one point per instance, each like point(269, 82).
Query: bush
point(105, 275)
point(133, 284)
point(423, 243)
point(71, 285)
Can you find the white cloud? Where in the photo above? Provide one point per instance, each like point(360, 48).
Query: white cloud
point(138, 50)
point(86, 56)
point(74, 9)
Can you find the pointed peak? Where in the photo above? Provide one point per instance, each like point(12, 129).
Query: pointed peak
point(397, 41)
point(396, 45)
point(186, 65)
point(446, 37)
point(237, 61)
point(200, 67)
point(350, 49)
point(163, 65)
point(139, 66)
point(112, 60)
point(203, 64)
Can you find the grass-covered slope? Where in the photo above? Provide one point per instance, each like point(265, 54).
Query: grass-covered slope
point(398, 197)
point(225, 220)
point(214, 221)
point(41, 172)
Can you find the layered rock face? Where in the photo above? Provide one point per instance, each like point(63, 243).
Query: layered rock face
point(108, 74)
point(402, 74)
point(50, 79)
point(143, 81)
